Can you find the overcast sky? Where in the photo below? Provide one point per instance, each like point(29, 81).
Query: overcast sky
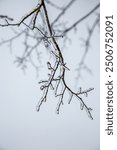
point(21, 127)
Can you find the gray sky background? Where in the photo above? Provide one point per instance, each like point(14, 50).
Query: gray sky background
point(21, 127)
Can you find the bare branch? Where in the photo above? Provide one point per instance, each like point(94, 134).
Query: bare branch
point(86, 43)
point(81, 19)
point(54, 80)
point(37, 9)
point(59, 61)
point(63, 11)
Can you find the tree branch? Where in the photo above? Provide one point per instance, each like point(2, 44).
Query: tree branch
point(59, 65)
point(81, 19)
point(54, 80)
